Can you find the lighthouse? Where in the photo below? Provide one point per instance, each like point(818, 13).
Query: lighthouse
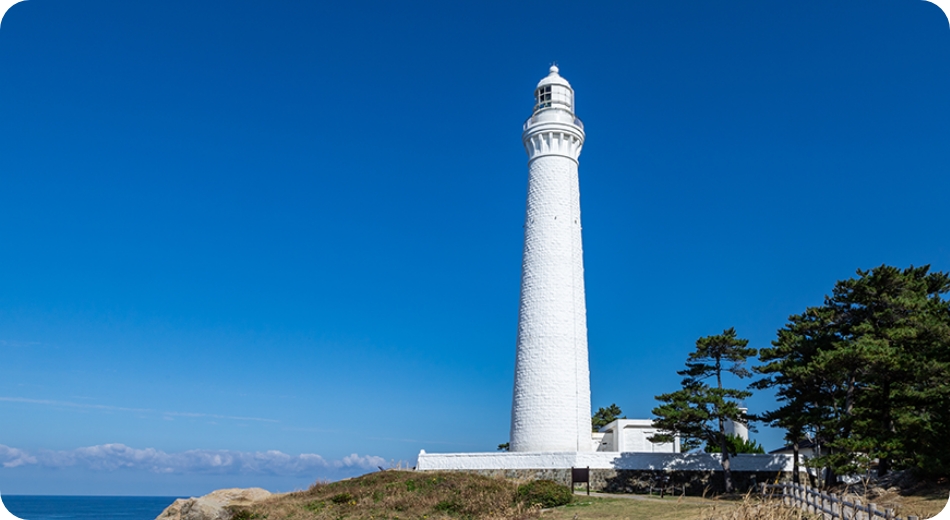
point(551, 405)
point(550, 413)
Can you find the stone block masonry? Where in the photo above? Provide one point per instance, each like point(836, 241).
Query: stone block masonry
point(551, 404)
point(690, 483)
point(618, 472)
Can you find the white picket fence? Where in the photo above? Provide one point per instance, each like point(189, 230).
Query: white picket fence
point(829, 505)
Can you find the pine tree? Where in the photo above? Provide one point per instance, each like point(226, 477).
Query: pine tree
point(736, 445)
point(605, 416)
point(698, 412)
point(868, 372)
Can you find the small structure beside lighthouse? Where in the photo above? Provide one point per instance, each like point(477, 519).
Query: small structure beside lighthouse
point(551, 405)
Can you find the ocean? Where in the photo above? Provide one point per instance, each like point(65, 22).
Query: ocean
point(38, 507)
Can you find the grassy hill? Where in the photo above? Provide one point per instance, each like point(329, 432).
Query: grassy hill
point(411, 495)
point(402, 495)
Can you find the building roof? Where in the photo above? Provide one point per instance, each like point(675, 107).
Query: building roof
point(553, 79)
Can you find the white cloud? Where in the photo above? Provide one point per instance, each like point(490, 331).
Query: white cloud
point(367, 462)
point(111, 457)
point(12, 457)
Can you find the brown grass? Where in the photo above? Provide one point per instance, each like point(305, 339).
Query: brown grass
point(752, 508)
point(675, 508)
point(590, 508)
point(401, 495)
point(922, 503)
point(408, 495)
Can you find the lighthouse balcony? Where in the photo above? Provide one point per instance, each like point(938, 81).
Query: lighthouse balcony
point(553, 115)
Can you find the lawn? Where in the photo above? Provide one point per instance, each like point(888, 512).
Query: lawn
point(405, 495)
point(925, 505)
point(669, 508)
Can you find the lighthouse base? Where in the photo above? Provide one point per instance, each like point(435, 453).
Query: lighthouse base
point(618, 472)
point(600, 460)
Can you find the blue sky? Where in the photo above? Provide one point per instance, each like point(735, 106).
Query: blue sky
point(248, 243)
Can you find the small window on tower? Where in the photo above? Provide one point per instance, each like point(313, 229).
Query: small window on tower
point(544, 96)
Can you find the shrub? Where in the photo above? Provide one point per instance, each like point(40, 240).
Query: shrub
point(547, 493)
point(342, 498)
point(243, 514)
point(387, 494)
point(316, 505)
point(452, 507)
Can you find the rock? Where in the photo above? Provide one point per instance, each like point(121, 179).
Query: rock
point(212, 506)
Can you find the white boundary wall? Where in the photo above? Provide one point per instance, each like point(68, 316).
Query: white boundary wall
point(600, 460)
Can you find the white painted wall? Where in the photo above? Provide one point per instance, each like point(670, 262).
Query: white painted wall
point(737, 429)
point(601, 440)
point(630, 435)
point(600, 460)
point(551, 399)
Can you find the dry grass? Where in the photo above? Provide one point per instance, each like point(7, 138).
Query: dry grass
point(922, 503)
point(407, 495)
point(401, 495)
point(923, 499)
point(752, 508)
point(674, 508)
point(590, 508)
point(692, 508)
point(922, 506)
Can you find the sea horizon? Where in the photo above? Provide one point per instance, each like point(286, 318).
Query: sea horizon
point(87, 507)
point(5, 495)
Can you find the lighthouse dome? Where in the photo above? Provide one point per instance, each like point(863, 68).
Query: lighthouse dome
point(553, 91)
point(553, 78)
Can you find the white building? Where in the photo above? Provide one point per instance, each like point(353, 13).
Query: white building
point(551, 405)
point(737, 429)
point(632, 435)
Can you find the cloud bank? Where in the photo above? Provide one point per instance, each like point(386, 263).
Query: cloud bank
point(111, 457)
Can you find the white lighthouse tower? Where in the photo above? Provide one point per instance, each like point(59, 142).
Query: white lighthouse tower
point(551, 407)
point(550, 412)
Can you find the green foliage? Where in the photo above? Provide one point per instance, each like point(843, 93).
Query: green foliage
point(451, 507)
point(504, 447)
point(736, 445)
point(698, 411)
point(244, 514)
point(343, 498)
point(547, 493)
point(605, 416)
point(389, 495)
point(867, 372)
point(314, 506)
